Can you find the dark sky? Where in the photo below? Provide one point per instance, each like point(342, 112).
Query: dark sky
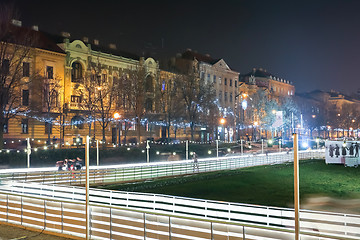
point(315, 44)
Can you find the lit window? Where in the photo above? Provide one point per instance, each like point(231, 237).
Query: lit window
point(6, 126)
point(25, 97)
point(48, 128)
point(26, 69)
point(49, 72)
point(24, 126)
point(76, 72)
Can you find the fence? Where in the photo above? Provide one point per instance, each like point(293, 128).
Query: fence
point(111, 222)
point(133, 172)
point(336, 225)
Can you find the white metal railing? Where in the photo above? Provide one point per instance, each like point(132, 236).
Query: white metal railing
point(337, 225)
point(111, 222)
point(133, 172)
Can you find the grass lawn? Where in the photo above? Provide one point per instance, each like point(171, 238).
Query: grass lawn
point(264, 185)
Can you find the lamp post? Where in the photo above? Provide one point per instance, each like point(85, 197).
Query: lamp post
point(222, 122)
point(117, 117)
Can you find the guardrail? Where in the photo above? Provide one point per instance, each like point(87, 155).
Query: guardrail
point(111, 222)
point(133, 172)
point(337, 225)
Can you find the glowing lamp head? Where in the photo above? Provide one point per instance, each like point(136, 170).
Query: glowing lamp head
point(116, 115)
point(222, 121)
point(305, 145)
point(256, 123)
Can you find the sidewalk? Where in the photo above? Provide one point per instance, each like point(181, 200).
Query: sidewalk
point(16, 233)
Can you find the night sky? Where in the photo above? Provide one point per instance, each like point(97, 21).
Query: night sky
point(315, 44)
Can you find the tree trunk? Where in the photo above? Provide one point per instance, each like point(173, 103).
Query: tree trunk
point(89, 124)
point(49, 133)
point(192, 130)
point(103, 133)
point(125, 131)
point(138, 129)
point(1, 136)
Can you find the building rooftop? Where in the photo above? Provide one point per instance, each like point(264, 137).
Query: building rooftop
point(30, 37)
point(262, 73)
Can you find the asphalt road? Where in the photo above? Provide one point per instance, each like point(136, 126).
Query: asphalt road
point(16, 233)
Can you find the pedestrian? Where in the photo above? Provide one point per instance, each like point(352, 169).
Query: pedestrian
point(78, 163)
point(196, 163)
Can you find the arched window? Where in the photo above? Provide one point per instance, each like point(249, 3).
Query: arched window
point(149, 87)
point(76, 72)
point(149, 105)
point(77, 122)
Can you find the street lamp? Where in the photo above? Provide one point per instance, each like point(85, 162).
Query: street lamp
point(222, 121)
point(117, 117)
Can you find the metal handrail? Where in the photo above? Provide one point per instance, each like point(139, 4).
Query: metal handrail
point(268, 228)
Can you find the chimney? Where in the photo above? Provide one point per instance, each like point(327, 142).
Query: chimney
point(207, 55)
point(35, 28)
point(96, 42)
point(16, 22)
point(112, 46)
point(65, 34)
point(85, 39)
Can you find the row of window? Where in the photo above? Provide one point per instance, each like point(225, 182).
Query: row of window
point(225, 97)
point(219, 79)
point(5, 66)
point(25, 127)
point(282, 90)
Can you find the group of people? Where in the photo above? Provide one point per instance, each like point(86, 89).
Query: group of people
point(352, 150)
point(69, 164)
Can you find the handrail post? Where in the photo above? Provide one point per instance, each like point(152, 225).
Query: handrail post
point(296, 186)
point(87, 188)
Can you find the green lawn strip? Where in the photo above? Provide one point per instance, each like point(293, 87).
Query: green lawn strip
point(266, 185)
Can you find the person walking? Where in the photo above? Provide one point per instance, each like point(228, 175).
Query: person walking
point(196, 163)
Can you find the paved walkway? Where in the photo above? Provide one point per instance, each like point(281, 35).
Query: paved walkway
point(16, 233)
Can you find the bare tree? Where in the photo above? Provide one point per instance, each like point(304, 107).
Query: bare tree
point(101, 99)
point(51, 102)
point(135, 95)
point(196, 95)
point(171, 103)
point(15, 48)
point(90, 96)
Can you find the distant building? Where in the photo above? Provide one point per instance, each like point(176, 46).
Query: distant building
point(213, 71)
point(217, 73)
point(277, 87)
